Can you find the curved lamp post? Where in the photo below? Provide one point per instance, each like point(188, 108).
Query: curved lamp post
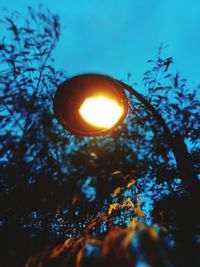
point(94, 104)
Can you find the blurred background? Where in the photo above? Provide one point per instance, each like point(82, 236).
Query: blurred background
point(62, 195)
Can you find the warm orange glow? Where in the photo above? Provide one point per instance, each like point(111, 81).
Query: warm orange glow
point(101, 111)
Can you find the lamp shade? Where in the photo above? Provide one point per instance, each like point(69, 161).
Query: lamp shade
point(90, 93)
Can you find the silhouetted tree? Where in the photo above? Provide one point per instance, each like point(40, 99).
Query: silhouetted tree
point(55, 186)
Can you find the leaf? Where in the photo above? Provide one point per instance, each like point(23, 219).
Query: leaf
point(91, 225)
point(167, 76)
point(113, 206)
point(13, 27)
point(153, 233)
point(131, 183)
point(157, 88)
point(133, 223)
point(57, 251)
point(138, 211)
point(117, 191)
point(27, 30)
point(116, 173)
point(30, 69)
point(128, 203)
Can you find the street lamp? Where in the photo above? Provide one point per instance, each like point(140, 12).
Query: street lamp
point(94, 104)
point(90, 104)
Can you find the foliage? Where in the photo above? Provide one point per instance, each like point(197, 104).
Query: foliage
point(55, 186)
point(134, 245)
point(30, 166)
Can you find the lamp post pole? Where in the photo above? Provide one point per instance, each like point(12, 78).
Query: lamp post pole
point(176, 142)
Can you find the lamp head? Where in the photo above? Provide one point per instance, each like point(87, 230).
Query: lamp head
point(90, 104)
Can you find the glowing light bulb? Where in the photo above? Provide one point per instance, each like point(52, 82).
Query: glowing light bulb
point(101, 111)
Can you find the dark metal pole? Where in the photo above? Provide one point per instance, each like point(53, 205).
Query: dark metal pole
point(182, 156)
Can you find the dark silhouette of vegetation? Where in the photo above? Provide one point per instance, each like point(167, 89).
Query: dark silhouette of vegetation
point(92, 193)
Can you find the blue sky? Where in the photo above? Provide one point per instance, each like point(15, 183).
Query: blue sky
point(118, 36)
